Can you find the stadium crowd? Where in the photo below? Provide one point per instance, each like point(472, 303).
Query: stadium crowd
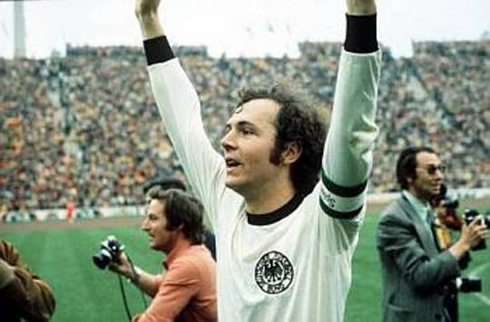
point(84, 128)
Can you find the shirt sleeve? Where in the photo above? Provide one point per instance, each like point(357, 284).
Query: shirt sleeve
point(180, 110)
point(27, 294)
point(179, 285)
point(347, 158)
point(348, 153)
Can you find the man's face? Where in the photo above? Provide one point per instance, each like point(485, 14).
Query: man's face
point(155, 224)
point(428, 176)
point(247, 145)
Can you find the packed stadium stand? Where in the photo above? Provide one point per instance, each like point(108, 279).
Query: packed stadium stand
point(84, 128)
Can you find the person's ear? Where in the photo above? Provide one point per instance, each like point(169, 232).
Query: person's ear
point(410, 179)
point(291, 153)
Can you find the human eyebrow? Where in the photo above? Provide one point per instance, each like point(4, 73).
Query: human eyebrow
point(246, 124)
point(241, 126)
point(150, 215)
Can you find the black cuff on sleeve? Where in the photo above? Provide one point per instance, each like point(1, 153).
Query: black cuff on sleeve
point(157, 50)
point(361, 34)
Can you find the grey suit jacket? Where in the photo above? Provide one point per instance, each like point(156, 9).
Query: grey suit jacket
point(414, 271)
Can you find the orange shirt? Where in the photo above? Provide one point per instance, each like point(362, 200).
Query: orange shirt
point(187, 290)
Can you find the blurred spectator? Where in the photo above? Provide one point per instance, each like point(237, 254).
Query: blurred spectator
point(71, 123)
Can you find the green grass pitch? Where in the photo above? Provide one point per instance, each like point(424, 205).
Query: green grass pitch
point(85, 293)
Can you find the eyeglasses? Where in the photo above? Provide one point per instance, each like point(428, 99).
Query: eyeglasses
point(432, 169)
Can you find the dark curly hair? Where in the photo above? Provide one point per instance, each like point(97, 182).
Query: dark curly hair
point(181, 209)
point(297, 121)
point(407, 163)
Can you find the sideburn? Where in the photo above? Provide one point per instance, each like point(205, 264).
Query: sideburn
point(275, 155)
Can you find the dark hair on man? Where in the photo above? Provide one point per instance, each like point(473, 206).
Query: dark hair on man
point(297, 122)
point(181, 210)
point(407, 163)
point(165, 183)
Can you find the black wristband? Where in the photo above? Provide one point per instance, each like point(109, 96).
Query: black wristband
point(361, 34)
point(157, 50)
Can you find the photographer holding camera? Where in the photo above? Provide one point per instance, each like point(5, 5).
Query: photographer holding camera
point(416, 271)
point(187, 290)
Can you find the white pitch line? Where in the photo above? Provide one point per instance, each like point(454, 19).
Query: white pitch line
point(482, 297)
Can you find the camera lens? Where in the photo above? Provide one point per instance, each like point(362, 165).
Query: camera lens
point(470, 284)
point(102, 258)
point(110, 250)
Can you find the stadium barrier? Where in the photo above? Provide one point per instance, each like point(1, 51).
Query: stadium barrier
point(79, 213)
point(377, 199)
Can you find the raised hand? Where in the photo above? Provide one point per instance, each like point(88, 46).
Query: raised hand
point(121, 266)
point(146, 7)
point(147, 13)
point(361, 7)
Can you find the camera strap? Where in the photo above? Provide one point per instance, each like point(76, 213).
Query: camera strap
point(145, 304)
point(123, 294)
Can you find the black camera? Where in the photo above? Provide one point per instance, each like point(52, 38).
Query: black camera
point(110, 249)
point(469, 216)
point(469, 284)
point(450, 203)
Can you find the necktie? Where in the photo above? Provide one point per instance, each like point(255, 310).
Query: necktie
point(429, 220)
point(433, 231)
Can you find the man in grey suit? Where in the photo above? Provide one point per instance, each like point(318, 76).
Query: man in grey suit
point(415, 272)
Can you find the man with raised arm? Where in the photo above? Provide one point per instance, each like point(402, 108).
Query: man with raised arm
point(286, 204)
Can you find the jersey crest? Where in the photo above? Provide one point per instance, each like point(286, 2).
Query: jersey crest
point(274, 273)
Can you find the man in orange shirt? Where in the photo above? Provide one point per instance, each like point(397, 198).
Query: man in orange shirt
point(187, 290)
